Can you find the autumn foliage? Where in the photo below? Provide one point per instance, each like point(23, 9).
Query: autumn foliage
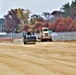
point(25, 27)
point(60, 25)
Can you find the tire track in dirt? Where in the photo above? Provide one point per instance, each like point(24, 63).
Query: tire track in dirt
point(37, 59)
point(32, 61)
point(22, 66)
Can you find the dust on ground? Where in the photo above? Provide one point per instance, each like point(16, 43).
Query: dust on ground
point(42, 58)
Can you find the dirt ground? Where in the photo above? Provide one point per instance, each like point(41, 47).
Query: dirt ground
point(42, 58)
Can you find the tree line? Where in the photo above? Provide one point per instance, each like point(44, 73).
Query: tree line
point(19, 19)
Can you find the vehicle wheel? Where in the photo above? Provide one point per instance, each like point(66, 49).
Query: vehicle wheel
point(50, 39)
point(25, 42)
point(42, 40)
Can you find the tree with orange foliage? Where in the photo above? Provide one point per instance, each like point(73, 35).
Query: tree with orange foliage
point(61, 27)
point(51, 26)
point(75, 27)
point(38, 26)
point(68, 20)
point(71, 27)
point(25, 27)
point(64, 24)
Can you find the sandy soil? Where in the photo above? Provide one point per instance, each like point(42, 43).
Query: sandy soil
point(42, 58)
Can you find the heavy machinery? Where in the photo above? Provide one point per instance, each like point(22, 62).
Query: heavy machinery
point(45, 34)
point(29, 38)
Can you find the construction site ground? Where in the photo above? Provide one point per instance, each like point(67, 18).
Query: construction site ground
point(42, 58)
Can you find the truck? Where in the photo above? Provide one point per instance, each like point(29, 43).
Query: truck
point(29, 38)
point(45, 34)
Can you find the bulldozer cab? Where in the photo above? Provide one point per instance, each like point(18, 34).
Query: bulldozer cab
point(29, 33)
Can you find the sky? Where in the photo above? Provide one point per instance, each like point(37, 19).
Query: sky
point(36, 7)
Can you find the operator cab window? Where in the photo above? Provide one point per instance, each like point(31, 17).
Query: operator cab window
point(28, 33)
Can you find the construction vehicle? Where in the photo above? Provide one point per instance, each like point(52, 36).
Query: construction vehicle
point(45, 34)
point(29, 38)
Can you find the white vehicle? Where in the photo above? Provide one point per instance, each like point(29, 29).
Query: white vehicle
point(45, 35)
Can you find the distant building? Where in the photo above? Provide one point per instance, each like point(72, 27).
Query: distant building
point(2, 22)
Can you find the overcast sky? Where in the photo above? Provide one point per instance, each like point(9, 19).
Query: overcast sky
point(34, 6)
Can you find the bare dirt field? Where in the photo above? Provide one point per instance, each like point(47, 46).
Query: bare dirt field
point(42, 58)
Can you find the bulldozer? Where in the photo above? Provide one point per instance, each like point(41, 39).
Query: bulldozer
point(28, 37)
